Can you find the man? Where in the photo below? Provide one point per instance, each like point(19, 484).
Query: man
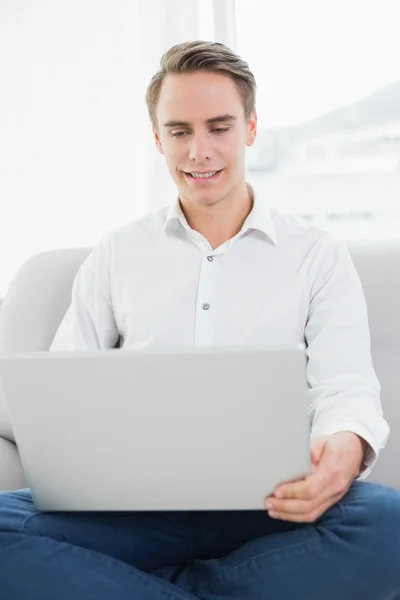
point(218, 267)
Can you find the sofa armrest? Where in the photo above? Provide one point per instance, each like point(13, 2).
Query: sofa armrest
point(6, 431)
point(12, 476)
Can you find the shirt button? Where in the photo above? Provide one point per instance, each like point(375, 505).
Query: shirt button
point(205, 306)
point(210, 258)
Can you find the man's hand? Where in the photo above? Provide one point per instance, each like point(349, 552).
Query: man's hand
point(336, 461)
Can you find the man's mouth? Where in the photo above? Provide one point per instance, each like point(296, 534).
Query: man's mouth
point(202, 176)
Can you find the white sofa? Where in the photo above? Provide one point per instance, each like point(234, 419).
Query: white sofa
point(39, 295)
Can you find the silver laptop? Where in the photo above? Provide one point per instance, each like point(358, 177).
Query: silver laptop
point(140, 430)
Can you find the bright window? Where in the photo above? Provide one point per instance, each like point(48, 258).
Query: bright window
point(328, 100)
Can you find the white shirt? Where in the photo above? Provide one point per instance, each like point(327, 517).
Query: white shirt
point(280, 280)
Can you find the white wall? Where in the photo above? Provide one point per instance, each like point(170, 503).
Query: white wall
point(77, 156)
point(72, 121)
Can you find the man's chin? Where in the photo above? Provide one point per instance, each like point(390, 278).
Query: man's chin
point(201, 198)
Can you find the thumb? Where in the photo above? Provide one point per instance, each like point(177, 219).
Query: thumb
point(317, 449)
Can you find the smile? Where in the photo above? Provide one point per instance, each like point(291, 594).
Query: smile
point(203, 176)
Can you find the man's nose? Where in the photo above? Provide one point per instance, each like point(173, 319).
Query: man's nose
point(200, 148)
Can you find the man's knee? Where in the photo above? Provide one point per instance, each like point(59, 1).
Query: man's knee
point(15, 508)
point(373, 510)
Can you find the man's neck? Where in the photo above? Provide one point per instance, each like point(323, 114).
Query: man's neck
point(219, 222)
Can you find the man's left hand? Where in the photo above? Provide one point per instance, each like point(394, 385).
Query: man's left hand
point(336, 461)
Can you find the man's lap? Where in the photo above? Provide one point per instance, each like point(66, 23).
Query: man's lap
point(234, 554)
point(203, 534)
point(144, 540)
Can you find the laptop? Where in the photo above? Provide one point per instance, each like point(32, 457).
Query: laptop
point(126, 430)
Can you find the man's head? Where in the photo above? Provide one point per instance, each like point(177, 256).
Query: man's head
point(202, 108)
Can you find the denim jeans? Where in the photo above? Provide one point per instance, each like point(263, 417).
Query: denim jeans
point(351, 553)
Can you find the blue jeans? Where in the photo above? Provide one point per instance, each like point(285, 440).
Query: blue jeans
point(350, 553)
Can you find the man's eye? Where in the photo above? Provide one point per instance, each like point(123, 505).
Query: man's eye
point(220, 129)
point(178, 134)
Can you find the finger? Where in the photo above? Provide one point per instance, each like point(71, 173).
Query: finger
point(284, 486)
point(310, 488)
point(309, 517)
point(319, 483)
point(317, 448)
point(301, 507)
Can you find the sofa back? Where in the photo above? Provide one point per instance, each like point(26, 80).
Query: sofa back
point(378, 265)
point(36, 301)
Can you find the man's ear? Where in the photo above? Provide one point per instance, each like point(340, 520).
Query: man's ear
point(158, 141)
point(252, 129)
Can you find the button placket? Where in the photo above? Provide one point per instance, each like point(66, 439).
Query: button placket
point(204, 327)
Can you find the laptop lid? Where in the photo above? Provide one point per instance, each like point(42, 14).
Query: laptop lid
point(176, 430)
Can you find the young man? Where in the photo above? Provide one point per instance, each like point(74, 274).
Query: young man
point(219, 267)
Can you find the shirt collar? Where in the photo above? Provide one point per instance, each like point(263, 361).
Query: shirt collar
point(175, 216)
point(259, 218)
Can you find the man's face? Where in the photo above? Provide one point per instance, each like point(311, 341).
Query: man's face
point(203, 133)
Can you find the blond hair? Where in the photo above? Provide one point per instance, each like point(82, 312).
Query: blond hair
point(213, 57)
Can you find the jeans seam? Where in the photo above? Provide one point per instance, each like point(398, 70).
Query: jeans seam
point(126, 567)
point(215, 578)
point(23, 528)
point(114, 562)
point(343, 512)
point(274, 552)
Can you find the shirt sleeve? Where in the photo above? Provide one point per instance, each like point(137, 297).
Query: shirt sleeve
point(344, 391)
point(89, 322)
